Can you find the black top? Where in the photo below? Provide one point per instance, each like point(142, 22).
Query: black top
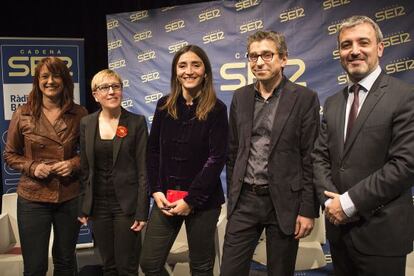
point(103, 167)
point(263, 119)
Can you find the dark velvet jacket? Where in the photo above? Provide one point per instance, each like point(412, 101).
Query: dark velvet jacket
point(188, 154)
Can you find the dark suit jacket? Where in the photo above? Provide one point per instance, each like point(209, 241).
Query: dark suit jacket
point(289, 165)
point(376, 166)
point(129, 170)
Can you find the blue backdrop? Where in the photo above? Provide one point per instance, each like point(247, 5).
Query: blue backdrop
point(141, 44)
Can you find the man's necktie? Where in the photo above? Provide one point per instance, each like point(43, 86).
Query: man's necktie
point(353, 113)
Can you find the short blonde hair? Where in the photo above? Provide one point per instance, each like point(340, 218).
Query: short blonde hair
point(97, 79)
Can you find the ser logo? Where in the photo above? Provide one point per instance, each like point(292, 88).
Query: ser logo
point(209, 15)
point(334, 28)
point(114, 44)
point(251, 26)
point(335, 54)
point(125, 83)
point(213, 37)
point(175, 25)
point(176, 46)
point(291, 15)
point(112, 24)
point(127, 103)
point(117, 64)
point(232, 71)
point(400, 66)
point(153, 97)
point(396, 39)
point(150, 119)
point(145, 56)
point(343, 79)
point(142, 36)
point(389, 13)
point(150, 77)
point(22, 66)
point(329, 4)
point(245, 4)
point(138, 15)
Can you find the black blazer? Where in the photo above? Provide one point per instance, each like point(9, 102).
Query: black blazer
point(289, 165)
point(129, 170)
point(375, 166)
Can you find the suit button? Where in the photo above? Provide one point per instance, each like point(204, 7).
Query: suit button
point(341, 169)
point(241, 179)
point(42, 146)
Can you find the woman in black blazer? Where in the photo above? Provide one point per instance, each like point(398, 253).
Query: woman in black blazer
point(114, 181)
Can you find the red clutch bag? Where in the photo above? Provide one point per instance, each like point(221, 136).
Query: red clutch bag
point(174, 195)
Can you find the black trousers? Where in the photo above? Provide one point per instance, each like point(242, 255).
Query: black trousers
point(118, 245)
point(35, 220)
point(162, 232)
point(347, 260)
point(252, 214)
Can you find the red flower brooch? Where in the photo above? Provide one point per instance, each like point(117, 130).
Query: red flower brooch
point(121, 131)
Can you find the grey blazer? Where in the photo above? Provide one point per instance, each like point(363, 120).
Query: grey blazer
point(293, 134)
point(375, 166)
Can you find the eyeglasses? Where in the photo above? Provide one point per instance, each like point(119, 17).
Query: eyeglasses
point(267, 56)
point(105, 87)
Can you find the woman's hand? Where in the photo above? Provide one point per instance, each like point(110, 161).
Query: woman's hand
point(138, 226)
point(180, 208)
point(63, 168)
point(83, 220)
point(42, 170)
point(163, 204)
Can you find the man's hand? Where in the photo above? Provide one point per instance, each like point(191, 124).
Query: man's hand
point(334, 211)
point(303, 227)
point(138, 225)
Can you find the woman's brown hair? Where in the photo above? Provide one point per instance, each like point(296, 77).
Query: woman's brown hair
point(55, 66)
point(207, 98)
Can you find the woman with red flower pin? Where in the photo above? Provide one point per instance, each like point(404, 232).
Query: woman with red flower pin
point(186, 154)
point(114, 180)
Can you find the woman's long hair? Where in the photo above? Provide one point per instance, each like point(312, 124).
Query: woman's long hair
point(56, 66)
point(207, 98)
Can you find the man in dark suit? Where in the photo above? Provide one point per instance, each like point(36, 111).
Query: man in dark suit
point(273, 126)
point(364, 160)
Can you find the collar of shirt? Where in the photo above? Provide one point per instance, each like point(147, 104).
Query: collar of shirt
point(368, 81)
point(278, 89)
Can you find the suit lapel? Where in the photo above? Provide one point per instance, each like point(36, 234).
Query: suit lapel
point(90, 133)
point(247, 108)
point(123, 121)
point(287, 100)
point(372, 99)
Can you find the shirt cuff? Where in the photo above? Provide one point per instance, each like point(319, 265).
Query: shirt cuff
point(347, 205)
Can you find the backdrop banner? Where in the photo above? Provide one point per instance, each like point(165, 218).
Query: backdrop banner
point(18, 57)
point(141, 44)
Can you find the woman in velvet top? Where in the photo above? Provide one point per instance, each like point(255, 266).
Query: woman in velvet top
point(186, 152)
